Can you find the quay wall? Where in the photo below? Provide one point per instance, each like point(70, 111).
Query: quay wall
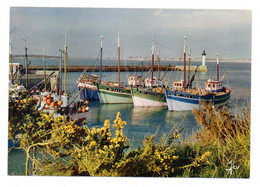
point(90, 68)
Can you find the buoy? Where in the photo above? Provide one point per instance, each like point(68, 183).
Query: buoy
point(49, 101)
point(60, 103)
point(80, 110)
point(49, 96)
point(87, 102)
point(83, 109)
point(53, 104)
point(45, 99)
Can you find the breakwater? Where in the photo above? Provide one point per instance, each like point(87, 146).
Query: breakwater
point(91, 68)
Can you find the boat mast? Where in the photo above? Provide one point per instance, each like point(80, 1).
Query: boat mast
point(60, 70)
point(184, 63)
point(142, 67)
point(44, 65)
point(65, 67)
point(11, 55)
point(189, 66)
point(217, 68)
point(26, 62)
point(100, 60)
point(11, 62)
point(158, 57)
point(152, 62)
point(118, 46)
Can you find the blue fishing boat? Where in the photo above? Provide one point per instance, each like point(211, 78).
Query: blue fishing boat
point(88, 83)
point(182, 96)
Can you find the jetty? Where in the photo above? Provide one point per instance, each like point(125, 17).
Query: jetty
point(130, 68)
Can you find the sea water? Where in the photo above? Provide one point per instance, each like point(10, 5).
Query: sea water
point(143, 122)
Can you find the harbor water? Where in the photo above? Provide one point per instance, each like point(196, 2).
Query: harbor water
point(143, 122)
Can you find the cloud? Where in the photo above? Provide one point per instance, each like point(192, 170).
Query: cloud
point(162, 13)
point(205, 29)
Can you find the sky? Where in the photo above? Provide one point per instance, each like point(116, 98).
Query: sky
point(227, 32)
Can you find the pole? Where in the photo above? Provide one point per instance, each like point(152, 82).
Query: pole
point(142, 67)
point(11, 62)
point(184, 63)
point(118, 44)
point(189, 65)
point(11, 56)
point(152, 62)
point(26, 69)
point(217, 68)
point(100, 61)
point(158, 57)
point(60, 70)
point(44, 65)
point(65, 70)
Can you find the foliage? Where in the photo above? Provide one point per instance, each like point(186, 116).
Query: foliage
point(56, 146)
point(227, 137)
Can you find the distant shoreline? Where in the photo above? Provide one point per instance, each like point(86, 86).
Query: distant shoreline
point(140, 59)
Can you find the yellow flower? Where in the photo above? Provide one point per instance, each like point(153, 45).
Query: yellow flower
point(105, 147)
point(92, 144)
point(107, 124)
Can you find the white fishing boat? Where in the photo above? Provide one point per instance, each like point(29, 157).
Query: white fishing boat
point(152, 93)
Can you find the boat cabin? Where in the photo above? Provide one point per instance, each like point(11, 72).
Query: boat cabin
point(148, 82)
point(214, 86)
point(17, 68)
point(178, 84)
point(134, 80)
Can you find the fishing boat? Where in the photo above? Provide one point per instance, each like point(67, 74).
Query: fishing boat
point(20, 74)
point(58, 102)
point(114, 92)
point(151, 94)
point(88, 83)
point(182, 96)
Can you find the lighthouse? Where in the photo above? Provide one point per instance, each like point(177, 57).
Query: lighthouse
point(203, 58)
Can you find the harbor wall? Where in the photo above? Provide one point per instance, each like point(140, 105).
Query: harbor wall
point(90, 68)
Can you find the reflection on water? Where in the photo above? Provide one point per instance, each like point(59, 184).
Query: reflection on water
point(142, 121)
point(144, 113)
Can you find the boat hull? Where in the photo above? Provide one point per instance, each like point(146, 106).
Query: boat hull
point(78, 116)
point(145, 98)
point(113, 95)
point(178, 101)
point(89, 92)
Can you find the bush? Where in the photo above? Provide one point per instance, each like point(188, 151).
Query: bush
point(64, 148)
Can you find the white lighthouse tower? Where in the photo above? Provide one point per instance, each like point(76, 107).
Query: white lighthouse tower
point(203, 58)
